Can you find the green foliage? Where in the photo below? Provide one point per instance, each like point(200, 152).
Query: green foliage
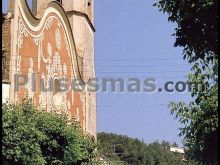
point(20, 138)
point(197, 33)
point(200, 125)
point(136, 152)
point(197, 26)
point(33, 136)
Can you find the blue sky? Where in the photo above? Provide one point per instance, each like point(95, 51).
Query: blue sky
point(135, 34)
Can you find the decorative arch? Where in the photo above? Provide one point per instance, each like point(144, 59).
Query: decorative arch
point(45, 48)
point(34, 23)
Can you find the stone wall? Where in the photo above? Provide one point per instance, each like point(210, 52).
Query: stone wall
point(6, 47)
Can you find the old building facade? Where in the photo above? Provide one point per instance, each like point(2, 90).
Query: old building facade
point(52, 41)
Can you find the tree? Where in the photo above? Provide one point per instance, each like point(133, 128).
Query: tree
point(20, 138)
point(33, 136)
point(197, 26)
point(136, 152)
point(197, 33)
point(200, 131)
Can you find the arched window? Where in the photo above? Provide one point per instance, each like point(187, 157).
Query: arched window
point(89, 8)
point(56, 86)
point(60, 1)
point(30, 3)
point(89, 3)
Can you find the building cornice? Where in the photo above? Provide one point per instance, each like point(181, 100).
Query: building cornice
point(78, 13)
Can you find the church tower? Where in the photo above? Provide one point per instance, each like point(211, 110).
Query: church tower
point(81, 19)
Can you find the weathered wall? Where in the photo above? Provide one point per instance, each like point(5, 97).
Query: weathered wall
point(83, 33)
point(6, 47)
point(46, 47)
point(52, 46)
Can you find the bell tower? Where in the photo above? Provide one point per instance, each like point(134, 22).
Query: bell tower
point(81, 18)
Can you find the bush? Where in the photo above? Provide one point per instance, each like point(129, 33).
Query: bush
point(33, 136)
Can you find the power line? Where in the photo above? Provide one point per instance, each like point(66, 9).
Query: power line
point(148, 72)
point(123, 77)
point(155, 59)
point(127, 106)
point(121, 106)
point(131, 66)
point(121, 72)
point(150, 59)
point(121, 66)
point(147, 77)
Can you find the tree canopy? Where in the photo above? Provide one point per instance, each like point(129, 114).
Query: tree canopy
point(33, 136)
point(197, 33)
point(119, 148)
point(197, 26)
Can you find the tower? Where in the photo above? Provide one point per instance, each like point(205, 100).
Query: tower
point(81, 19)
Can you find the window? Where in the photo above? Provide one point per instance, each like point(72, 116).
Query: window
point(89, 10)
point(30, 4)
point(56, 86)
point(60, 1)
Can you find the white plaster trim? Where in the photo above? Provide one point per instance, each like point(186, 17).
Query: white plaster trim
point(37, 28)
point(14, 50)
point(5, 92)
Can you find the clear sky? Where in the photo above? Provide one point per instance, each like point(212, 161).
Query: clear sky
point(134, 33)
point(133, 36)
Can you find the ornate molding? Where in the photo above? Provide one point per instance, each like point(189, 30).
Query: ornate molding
point(78, 13)
point(35, 22)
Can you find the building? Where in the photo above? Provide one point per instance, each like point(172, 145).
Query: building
point(42, 44)
point(177, 149)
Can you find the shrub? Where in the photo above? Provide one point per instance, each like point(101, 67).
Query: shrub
point(33, 136)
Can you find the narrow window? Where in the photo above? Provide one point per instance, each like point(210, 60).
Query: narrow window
point(56, 86)
point(89, 10)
